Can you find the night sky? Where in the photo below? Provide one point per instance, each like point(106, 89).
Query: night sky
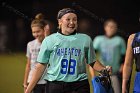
point(126, 12)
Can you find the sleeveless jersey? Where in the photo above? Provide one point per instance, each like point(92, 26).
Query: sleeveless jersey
point(136, 50)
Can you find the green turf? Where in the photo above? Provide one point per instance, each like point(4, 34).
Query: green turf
point(12, 71)
point(132, 79)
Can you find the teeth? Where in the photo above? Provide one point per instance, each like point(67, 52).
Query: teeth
point(71, 26)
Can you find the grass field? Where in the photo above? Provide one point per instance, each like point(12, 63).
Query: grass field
point(12, 71)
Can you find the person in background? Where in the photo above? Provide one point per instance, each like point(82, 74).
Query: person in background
point(47, 27)
point(111, 50)
point(132, 53)
point(40, 29)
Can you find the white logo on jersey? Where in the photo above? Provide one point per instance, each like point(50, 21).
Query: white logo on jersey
point(136, 50)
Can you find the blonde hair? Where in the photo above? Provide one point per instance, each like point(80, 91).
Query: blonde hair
point(39, 21)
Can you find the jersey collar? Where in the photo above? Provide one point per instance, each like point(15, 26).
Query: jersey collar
point(75, 32)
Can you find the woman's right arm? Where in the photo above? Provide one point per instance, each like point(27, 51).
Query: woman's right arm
point(128, 64)
point(36, 76)
point(27, 70)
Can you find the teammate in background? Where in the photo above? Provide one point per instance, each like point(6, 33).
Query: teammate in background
point(132, 53)
point(47, 27)
point(65, 52)
point(40, 29)
point(111, 49)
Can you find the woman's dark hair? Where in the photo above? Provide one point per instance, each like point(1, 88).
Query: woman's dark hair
point(65, 11)
point(110, 20)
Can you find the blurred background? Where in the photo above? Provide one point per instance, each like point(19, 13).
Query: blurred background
point(15, 31)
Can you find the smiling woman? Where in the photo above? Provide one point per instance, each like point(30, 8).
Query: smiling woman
point(67, 53)
point(67, 21)
point(39, 32)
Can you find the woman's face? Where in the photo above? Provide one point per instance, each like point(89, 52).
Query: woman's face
point(38, 33)
point(68, 23)
point(110, 29)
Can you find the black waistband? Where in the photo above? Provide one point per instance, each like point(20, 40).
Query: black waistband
point(67, 82)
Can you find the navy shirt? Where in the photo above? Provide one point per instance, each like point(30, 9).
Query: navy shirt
point(136, 50)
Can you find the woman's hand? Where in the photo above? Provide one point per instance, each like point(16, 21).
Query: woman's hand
point(27, 90)
point(25, 87)
point(109, 68)
point(37, 73)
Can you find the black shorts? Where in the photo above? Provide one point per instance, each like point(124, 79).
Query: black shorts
point(71, 87)
point(40, 88)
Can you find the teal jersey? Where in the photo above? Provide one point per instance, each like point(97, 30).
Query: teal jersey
point(110, 50)
point(66, 56)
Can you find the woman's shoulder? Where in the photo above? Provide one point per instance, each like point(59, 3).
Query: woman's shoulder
point(32, 42)
point(51, 36)
point(99, 38)
point(131, 37)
